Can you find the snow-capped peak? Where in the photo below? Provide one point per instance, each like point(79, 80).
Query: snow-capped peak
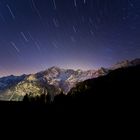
point(51, 81)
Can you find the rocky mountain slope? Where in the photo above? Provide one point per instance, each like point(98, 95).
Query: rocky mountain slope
point(52, 81)
point(115, 93)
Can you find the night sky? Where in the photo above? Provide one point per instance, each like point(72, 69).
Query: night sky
point(77, 34)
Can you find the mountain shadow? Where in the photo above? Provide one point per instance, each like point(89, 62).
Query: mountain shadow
point(116, 92)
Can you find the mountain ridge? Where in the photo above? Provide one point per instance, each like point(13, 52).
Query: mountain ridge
point(52, 81)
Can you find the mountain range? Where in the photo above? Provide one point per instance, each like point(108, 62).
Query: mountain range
point(52, 81)
point(113, 96)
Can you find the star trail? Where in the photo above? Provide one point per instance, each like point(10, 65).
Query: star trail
point(76, 34)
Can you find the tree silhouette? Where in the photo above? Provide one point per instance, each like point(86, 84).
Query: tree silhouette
point(26, 98)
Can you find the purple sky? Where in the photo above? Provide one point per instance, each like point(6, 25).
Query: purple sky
point(79, 34)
